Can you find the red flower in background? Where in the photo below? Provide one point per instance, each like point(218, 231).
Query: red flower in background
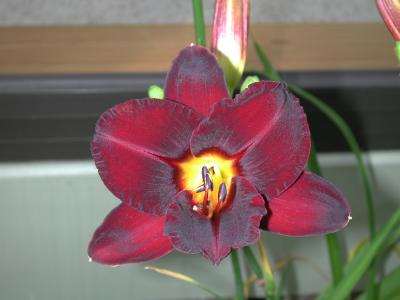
point(201, 173)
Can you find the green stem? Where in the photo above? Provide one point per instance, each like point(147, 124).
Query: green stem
point(238, 275)
point(397, 50)
point(198, 19)
point(332, 240)
point(372, 288)
point(269, 282)
point(253, 263)
point(335, 258)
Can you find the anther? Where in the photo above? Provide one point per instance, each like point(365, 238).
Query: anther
point(205, 175)
point(200, 189)
point(208, 183)
point(204, 172)
point(222, 192)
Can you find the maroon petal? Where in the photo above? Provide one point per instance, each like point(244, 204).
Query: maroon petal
point(269, 126)
point(129, 236)
point(237, 225)
point(312, 206)
point(131, 147)
point(196, 80)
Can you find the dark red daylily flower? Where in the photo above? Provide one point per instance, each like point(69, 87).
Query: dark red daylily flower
point(202, 173)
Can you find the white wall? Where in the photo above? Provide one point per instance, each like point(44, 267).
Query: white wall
point(56, 12)
point(49, 210)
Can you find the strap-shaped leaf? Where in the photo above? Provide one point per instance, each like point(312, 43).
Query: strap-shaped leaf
point(360, 263)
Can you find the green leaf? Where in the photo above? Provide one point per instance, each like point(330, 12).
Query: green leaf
point(356, 248)
point(355, 148)
point(269, 282)
point(313, 165)
point(282, 284)
point(345, 130)
point(249, 80)
point(360, 263)
point(269, 70)
point(185, 278)
point(337, 120)
point(388, 288)
point(155, 92)
point(252, 261)
point(397, 50)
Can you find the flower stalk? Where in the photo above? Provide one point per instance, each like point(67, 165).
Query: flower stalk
point(198, 19)
point(238, 275)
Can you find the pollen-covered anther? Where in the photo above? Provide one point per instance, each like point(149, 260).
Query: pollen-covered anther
point(209, 183)
point(222, 192)
point(200, 189)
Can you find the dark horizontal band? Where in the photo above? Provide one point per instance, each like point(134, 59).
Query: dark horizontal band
point(53, 117)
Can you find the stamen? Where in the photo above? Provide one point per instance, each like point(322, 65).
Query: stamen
point(205, 202)
point(200, 189)
point(204, 172)
point(222, 192)
point(205, 175)
point(208, 183)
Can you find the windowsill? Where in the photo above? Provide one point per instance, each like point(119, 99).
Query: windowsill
point(151, 48)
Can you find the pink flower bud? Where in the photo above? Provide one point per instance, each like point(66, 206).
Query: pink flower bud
point(390, 12)
point(229, 38)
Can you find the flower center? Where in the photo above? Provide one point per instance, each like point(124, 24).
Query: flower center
point(209, 177)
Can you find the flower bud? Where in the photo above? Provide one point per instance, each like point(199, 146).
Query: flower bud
point(390, 12)
point(229, 38)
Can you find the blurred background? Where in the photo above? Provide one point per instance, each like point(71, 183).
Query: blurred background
point(62, 63)
point(73, 12)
